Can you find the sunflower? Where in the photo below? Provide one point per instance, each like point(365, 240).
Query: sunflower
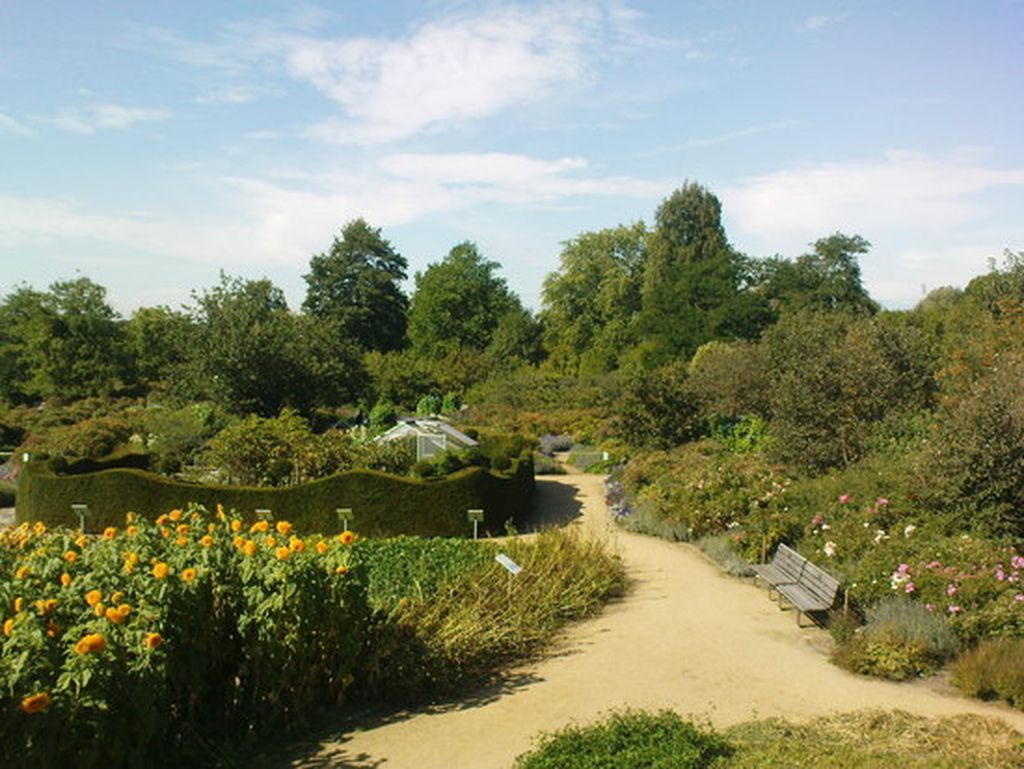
point(36, 703)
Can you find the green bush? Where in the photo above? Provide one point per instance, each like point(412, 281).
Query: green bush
point(993, 670)
point(902, 638)
point(634, 739)
point(383, 504)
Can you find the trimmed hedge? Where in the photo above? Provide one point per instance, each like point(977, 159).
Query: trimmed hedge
point(382, 504)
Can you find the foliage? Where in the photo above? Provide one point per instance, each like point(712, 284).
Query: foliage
point(729, 379)
point(176, 436)
point(692, 281)
point(825, 280)
point(993, 670)
point(458, 302)
point(721, 548)
point(385, 504)
point(356, 286)
point(975, 451)
point(704, 491)
point(592, 302)
point(249, 354)
point(659, 409)
point(834, 377)
point(383, 416)
point(902, 639)
point(630, 738)
point(92, 438)
point(65, 342)
point(144, 643)
point(467, 630)
point(401, 377)
point(156, 340)
point(536, 402)
point(545, 465)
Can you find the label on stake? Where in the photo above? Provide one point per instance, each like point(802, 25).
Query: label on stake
point(508, 563)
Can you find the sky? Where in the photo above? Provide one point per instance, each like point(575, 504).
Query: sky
point(150, 146)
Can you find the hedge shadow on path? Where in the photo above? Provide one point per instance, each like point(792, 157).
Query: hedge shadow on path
point(554, 504)
point(311, 753)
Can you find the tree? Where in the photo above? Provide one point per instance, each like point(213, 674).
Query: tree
point(659, 409)
point(827, 279)
point(249, 354)
point(357, 286)
point(458, 302)
point(591, 303)
point(693, 281)
point(65, 342)
point(154, 337)
point(834, 377)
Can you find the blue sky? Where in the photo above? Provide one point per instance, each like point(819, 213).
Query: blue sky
point(148, 146)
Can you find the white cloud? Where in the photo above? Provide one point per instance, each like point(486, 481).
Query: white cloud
point(820, 21)
point(281, 221)
point(10, 125)
point(446, 71)
point(90, 118)
point(925, 216)
point(900, 190)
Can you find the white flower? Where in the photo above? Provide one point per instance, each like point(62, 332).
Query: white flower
point(825, 527)
point(880, 535)
point(830, 549)
point(909, 529)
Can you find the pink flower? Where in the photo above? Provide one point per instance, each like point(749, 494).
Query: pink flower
point(954, 609)
point(881, 502)
point(1017, 562)
point(910, 587)
point(934, 565)
point(1000, 574)
point(845, 499)
point(951, 590)
point(1018, 597)
point(903, 568)
point(930, 606)
point(817, 520)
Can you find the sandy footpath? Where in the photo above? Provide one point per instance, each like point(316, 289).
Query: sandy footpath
point(685, 637)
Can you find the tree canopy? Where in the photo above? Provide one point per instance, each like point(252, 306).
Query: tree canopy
point(357, 285)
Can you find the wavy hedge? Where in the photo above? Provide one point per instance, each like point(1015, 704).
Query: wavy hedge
point(382, 504)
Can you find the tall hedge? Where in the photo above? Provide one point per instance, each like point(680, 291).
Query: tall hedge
point(382, 504)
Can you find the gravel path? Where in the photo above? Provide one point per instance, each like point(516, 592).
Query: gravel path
point(686, 637)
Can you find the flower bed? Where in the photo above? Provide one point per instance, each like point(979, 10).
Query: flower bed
point(148, 640)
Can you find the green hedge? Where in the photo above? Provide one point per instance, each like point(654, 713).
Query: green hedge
point(382, 504)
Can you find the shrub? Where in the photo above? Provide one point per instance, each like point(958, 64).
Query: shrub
point(629, 738)
point(902, 638)
point(995, 669)
point(545, 465)
point(549, 444)
point(721, 549)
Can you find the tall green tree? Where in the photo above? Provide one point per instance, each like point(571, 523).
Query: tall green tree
point(249, 354)
point(591, 303)
point(459, 302)
point(826, 279)
point(65, 342)
point(693, 281)
point(357, 285)
point(155, 338)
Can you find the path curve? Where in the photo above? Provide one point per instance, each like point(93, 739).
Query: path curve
point(686, 637)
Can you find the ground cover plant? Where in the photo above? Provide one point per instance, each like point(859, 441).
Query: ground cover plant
point(858, 740)
point(169, 641)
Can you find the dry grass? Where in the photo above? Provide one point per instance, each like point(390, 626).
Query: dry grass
point(874, 739)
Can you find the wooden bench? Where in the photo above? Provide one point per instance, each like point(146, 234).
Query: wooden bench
point(805, 586)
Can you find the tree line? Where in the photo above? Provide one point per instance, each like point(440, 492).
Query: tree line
point(627, 298)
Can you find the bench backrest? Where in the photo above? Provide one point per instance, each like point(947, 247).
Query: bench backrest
point(819, 583)
point(789, 561)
